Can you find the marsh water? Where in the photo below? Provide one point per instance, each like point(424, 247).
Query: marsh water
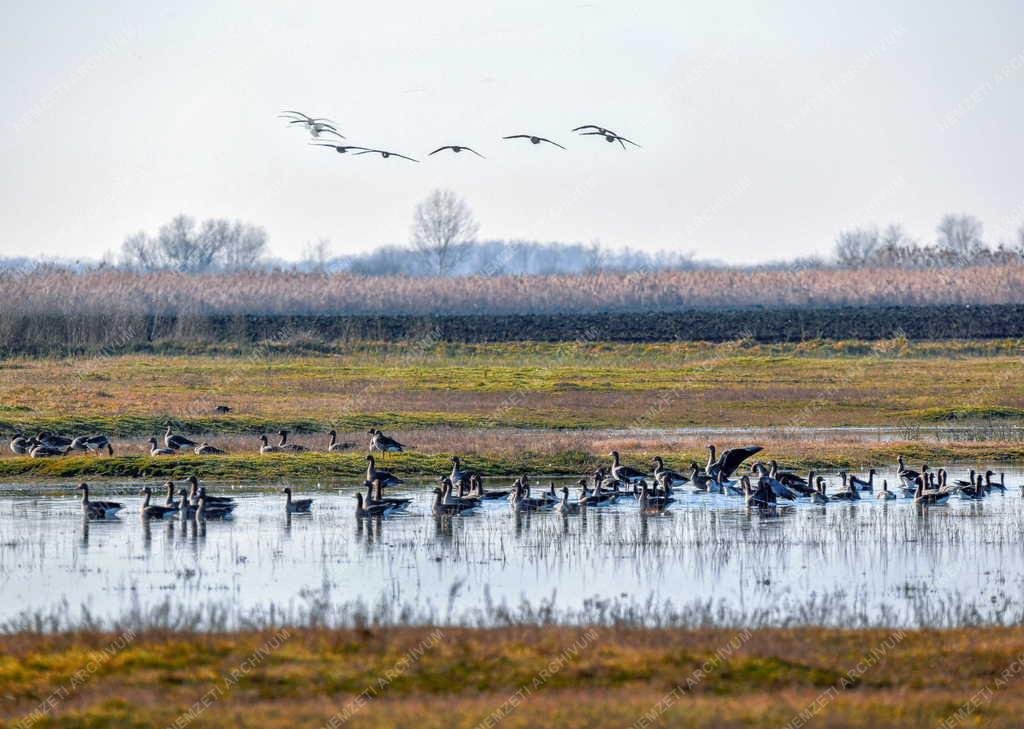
point(707, 560)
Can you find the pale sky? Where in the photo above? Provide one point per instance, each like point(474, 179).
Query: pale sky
point(766, 127)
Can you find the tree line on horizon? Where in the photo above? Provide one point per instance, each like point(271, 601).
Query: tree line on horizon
point(444, 242)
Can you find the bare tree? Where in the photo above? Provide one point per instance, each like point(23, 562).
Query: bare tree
point(856, 247)
point(442, 223)
point(180, 246)
point(316, 256)
point(960, 235)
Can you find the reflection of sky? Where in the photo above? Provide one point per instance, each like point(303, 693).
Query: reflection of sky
point(767, 127)
point(882, 555)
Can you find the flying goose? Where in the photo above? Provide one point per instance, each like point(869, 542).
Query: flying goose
point(155, 511)
point(456, 149)
point(284, 445)
point(315, 125)
point(665, 477)
point(382, 443)
point(334, 445)
point(533, 139)
point(339, 148)
point(608, 134)
point(174, 441)
point(625, 473)
point(729, 461)
point(205, 449)
point(386, 478)
point(97, 509)
point(296, 506)
point(385, 154)
point(441, 508)
point(156, 450)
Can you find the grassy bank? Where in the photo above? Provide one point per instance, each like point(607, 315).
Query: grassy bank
point(526, 384)
point(352, 465)
point(564, 677)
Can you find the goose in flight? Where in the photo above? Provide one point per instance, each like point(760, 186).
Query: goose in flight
point(533, 139)
point(608, 134)
point(339, 148)
point(315, 125)
point(457, 148)
point(385, 154)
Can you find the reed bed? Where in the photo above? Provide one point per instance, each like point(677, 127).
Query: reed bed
point(116, 292)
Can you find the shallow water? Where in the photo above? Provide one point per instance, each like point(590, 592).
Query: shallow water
point(876, 562)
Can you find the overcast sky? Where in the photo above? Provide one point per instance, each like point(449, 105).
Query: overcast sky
point(766, 127)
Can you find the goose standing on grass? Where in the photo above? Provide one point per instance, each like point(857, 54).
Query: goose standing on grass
point(205, 449)
point(664, 477)
point(626, 474)
point(287, 447)
point(156, 450)
point(885, 494)
point(265, 447)
point(171, 440)
point(97, 509)
point(333, 445)
point(296, 506)
point(48, 451)
point(382, 443)
point(94, 443)
point(21, 445)
point(155, 511)
point(53, 439)
point(386, 478)
point(729, 461)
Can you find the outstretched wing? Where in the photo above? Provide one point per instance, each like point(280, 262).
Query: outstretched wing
point(550, 142)
point(731, 459)
point(475, 152)
point(517, 136)
point(600, 130)
point(395, 154)
point(440, 149)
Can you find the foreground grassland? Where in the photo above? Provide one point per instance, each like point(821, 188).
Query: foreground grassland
point(561, 677)
point(572, 385)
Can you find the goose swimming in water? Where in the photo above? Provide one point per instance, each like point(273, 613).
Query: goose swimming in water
point(441, 508)
point(565, 506)
point(863, 485)
point(533, 139)
point(781, 490)
point(476, 485)
point(664, 477)
point(296, 506)
point(97, 509)
point(626, 474)
point(155, 511)
point(386, 478)
point(763, 496)
point(206, 510)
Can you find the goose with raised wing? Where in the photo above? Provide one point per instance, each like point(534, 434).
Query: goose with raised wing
point(729, 461)
point(97, 509)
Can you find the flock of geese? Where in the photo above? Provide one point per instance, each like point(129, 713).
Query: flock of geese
point(462, 491)
point(319, 127)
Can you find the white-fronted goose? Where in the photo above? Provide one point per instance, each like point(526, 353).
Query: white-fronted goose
point(565, 507)
point(665, 477)
point(156, 450)
point(597, 497)
point(762, 496)
point(781, 490)
point(458, 476)
point(48, 451)
point(172, 440)
point(53, 440)
point(195, 491)
point(700, 479)
point(386, 154)
point(651, 503)
point(155, 511)
point(885, 494)
point(205, 449)
point(476, 484)
point(97, 509)
point(207, 511)
point(789, 479)
point(819, 496)
point(169, 501)
point(386, 478)
point(296, 506)
point(95, 443)
point(999, 485)
point(441, 508)
point(522, 502)
point(375, 495)
point(334, 445)
point(848, 492)
point(21, 445)
point(930, 497)
point(863, 485)
point(904, 474)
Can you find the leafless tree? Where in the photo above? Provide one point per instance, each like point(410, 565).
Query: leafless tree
point(180, 246)
point(316, 255)
point(442, 223)
point(960, 234)
point(855, 247)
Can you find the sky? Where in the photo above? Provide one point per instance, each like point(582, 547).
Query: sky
point(766, 127)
